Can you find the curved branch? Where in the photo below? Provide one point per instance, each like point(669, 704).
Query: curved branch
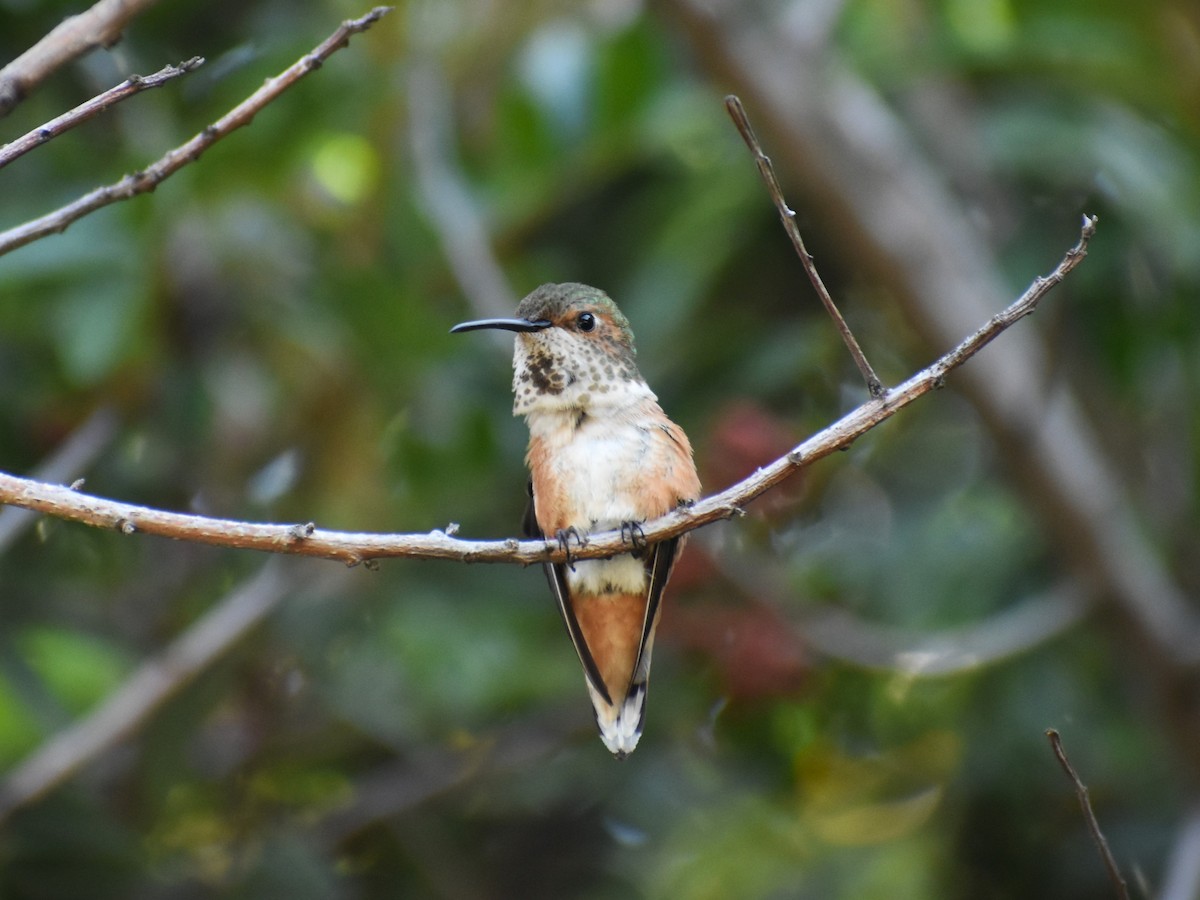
point(190, 151)
point(352, 548)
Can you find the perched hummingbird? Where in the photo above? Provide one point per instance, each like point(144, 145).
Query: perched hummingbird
point(602, 455)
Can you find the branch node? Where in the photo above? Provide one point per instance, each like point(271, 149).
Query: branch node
point(125, 526)
point(451, 529)
point(301, 531)
point(77, 484)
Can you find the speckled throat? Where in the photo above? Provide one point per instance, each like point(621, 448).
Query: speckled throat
point(560, 368)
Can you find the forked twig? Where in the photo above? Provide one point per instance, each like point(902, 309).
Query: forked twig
point(190, 151)
point(1085, 804)
point(788, 217)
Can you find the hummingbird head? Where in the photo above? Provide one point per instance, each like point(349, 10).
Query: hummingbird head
point(574, 351)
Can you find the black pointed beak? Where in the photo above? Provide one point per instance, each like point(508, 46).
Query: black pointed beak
point(524, 325)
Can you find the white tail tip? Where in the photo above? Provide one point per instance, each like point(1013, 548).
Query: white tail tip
point(621, 725)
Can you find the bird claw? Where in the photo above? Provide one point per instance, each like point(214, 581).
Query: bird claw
point(563, 536)
point(631, 533)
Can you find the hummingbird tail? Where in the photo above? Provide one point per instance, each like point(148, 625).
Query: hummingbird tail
point(620, 723)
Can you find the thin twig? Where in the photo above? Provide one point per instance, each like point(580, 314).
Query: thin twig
point(307, 539)
point(1085, 804)
point(135, 84)
point(190, 151)
point(788, 217)
point(99, 26)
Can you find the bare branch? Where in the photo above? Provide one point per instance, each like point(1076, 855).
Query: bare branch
point(135, 84)
point(100, 26)
point(788, 217)
point(352, 548)
point(150, 177)
point(1085, 804)
point(149, 687)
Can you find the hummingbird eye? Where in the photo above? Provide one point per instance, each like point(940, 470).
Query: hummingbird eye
point(586, 321)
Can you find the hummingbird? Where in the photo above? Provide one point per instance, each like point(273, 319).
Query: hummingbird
point(602, 455)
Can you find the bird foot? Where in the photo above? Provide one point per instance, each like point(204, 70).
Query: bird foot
point(563, 536)
point(631, 533)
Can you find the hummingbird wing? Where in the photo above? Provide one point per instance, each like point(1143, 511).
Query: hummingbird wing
point(658, 567)
point(556, 576)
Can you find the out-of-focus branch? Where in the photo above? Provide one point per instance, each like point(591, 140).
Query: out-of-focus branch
point(99, 26)
point(69, 461)
point(1182, 878)
point(397, 788)
point(190, 151)
point(308, 540)
point(889, 213)
point(839, 634)
point(447, 200)
point(151, 685)
point(1085, 805)
point(135, 84)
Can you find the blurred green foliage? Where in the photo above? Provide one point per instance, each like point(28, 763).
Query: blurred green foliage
point(271, 325)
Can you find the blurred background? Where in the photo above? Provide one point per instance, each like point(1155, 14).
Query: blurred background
point(852, 683)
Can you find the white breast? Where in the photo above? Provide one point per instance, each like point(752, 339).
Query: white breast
point(597, 464)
